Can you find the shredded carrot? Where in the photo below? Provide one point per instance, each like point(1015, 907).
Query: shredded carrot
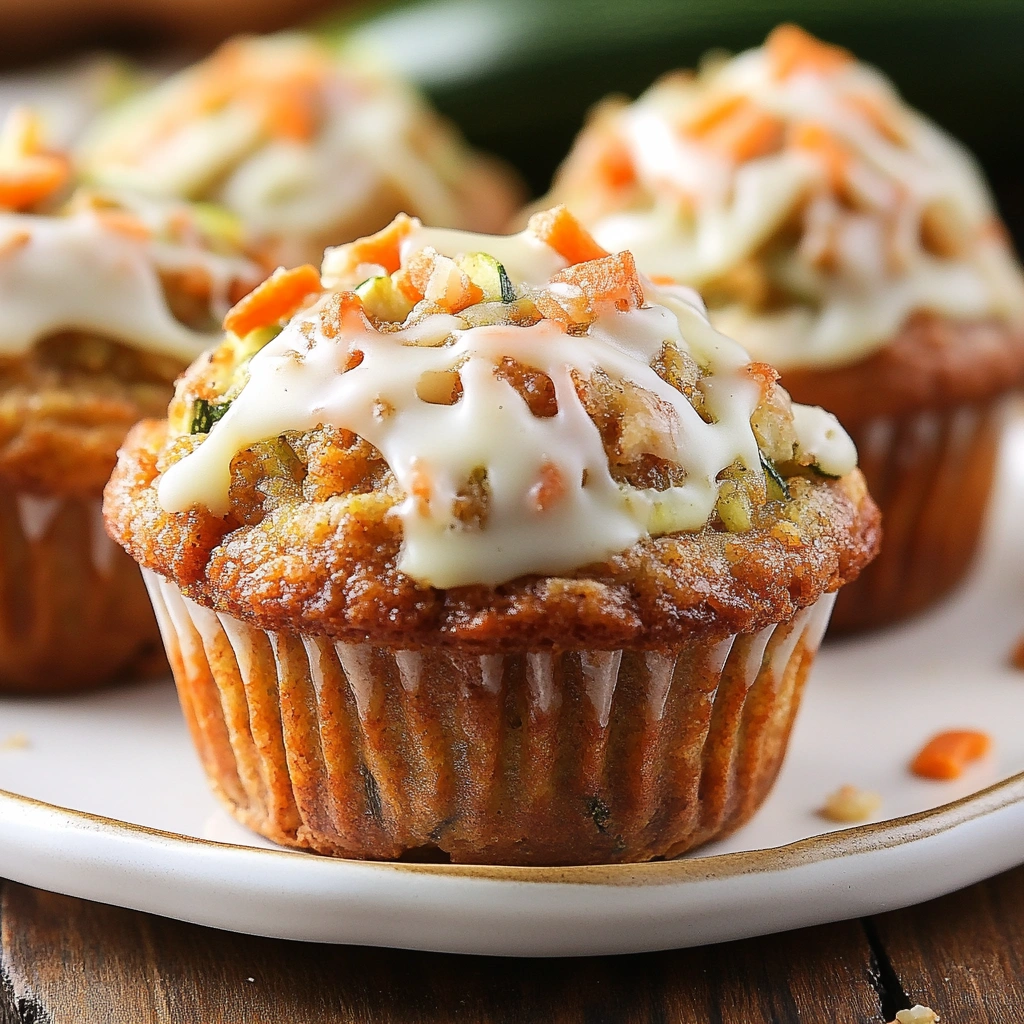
point(420, 486)
point(819, 141)
point(124, 223)
point(559, 229)
point(413, 279)
point(292, 111)
point(615, 165)
point(946, 755)
point(383, 249)
point(428, 272)
point(341, 311)
point(581, 290)
point(714, 111)
point(764, 374)
point(611, 279)
point(663, 279)
point(31, 180)
point(791, 49)
point(879, 114)
point(549, 489)
point(748, 135)
point(737, 127)
point(280, 296)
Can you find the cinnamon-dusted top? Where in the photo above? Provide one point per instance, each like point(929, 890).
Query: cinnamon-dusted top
point(811, 206)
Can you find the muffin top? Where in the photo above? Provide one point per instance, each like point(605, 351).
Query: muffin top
point(812, 207)
point(104, 299)
point(459, 435)
point(297, 142)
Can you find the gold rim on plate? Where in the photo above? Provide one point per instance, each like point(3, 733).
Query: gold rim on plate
point(887, 834)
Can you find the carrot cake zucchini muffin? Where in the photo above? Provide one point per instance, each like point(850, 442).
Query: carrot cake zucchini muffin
point(843, 238)
point(491, 546)
point(306, 149)
point(103, 302)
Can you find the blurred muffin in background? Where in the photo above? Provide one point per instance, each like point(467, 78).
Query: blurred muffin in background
point(842, 237)
point(68, 96)
point(306, 149)
point(104, 299)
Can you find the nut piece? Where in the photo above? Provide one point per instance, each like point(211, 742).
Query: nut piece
point(916, 1015)
point(850, 805)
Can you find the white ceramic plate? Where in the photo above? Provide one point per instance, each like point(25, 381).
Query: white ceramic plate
point(106, 801)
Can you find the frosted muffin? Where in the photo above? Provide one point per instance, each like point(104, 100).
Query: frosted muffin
point(490, 546)
point(846, 240)
point(103, 302)
point(306, 149)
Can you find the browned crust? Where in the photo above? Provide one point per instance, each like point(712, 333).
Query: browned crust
point(69, 621)
point(492, 773)
point(319, 568)
point(932, 363)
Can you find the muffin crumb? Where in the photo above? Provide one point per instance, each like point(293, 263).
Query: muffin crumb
point(16, 741)
point(917, 1015)
point(851, 805)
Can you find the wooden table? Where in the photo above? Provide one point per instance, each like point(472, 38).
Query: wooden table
point(66, 961)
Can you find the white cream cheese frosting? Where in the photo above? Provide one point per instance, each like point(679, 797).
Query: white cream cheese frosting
point(299, 381)
point(91, 271)
point(797, 139)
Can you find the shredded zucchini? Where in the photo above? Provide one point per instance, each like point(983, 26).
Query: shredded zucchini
point(205, 414)
point(778, 489)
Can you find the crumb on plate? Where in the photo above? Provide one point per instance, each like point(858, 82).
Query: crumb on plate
point(16, 741)
point(916, 1015)
point(850, 805)
point(947, 754)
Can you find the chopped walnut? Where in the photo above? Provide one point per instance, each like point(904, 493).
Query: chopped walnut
point(850, 805)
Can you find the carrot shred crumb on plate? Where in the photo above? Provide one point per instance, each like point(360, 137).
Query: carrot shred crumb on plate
point(946, 755)
point(851, 805)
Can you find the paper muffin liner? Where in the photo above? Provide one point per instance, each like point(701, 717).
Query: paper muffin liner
point(931, 474)
point(519, 758)
point(73, 608)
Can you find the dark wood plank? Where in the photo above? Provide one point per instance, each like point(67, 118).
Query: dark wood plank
point(67, 961)
point(963, 955)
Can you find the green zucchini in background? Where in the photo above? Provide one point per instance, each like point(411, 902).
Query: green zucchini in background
point(519, 75)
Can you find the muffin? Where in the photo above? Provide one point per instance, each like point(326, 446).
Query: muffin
point(306, 149)
point(488, 548)
point(103, 302)
point(843, 238)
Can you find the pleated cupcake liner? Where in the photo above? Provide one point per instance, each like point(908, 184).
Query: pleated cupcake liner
point(565, 757)
point(931, 475)
point(73, 608)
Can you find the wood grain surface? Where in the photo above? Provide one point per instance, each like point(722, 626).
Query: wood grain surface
point(965, 952)
point(67, 961)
